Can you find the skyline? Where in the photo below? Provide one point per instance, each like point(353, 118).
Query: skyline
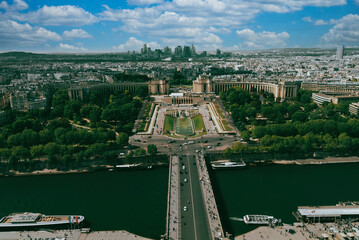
point(80, 26)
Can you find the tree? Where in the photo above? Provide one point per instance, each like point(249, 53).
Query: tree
point(227, 152)
point(245, 135)
point(140, 152)
point(300, 117)
point(122, 138)
point(14, 140)
point(30, 138)
point(152, 149)
point(129, 156)
point(37, 151)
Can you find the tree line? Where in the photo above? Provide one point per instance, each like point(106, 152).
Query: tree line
point(69, 133)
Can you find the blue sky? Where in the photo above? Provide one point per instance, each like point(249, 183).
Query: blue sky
point(120, 25)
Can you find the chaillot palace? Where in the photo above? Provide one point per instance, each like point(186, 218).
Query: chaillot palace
point(203, 84)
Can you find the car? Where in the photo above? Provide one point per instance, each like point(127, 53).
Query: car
point(218, 144)
point(183, 167)
point(197, 151)
point(185, 208)
point(208, 147)
point(185, 180)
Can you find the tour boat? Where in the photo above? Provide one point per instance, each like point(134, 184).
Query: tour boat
point(259, 219)
point(27, 219)
point(224, 165)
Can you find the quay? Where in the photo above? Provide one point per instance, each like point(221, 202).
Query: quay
point(69, 235)
point(327, 213)
point(342, 230)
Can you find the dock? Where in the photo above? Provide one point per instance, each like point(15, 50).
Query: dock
point(70, 235)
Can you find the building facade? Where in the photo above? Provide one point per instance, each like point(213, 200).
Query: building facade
point(354, 108)
point(80, 93)
point(281, 90)
point(347, 88)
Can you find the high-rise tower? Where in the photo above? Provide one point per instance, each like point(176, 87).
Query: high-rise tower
point(340, 52)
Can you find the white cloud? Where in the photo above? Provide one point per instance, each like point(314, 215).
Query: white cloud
point(307, 19)
point(17, 5)
point(13, 33)
point(4, 5)
point(135, 44)
point(143, 2)
point(253, 40)
point(76, 33)
point(345, 31)
point(71, 48)
point(219, 30)
point(323, 22)
point(190, 20)
point(66, 15)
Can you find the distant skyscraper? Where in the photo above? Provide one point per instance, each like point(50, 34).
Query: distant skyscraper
point(187, 52)
point(340, 52)
point(144, 50)
point(193, 50)
point(167, 50)
point(178, 51)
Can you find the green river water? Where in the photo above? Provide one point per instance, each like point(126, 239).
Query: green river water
point(131, 200)
point(278, 190)
point(136, 200)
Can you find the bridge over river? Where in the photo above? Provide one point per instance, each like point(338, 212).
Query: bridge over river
point(191, 209)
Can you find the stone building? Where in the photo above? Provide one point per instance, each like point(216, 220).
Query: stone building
point(81, 93)
point(281, 90)
point(347, 88)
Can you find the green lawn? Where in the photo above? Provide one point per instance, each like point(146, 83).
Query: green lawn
point(219, 111)
point(169, 123)
point(198, 123)
point(226, 126)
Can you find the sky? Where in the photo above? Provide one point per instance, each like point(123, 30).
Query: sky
point(122, 25)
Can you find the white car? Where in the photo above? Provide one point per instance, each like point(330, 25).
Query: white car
point(183, 167)
point(208, 147)
point(185, 208)
point(185, 180)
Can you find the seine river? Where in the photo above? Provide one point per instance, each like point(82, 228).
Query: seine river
point(136, 200)
point(131, 200)
point(278, 190)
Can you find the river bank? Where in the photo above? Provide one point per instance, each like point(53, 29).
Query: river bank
point(316, 161)
point(70, 235)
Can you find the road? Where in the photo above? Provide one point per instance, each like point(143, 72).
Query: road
point(194, 223)
point(168, 145)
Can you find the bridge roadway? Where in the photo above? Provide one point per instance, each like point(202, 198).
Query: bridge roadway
point(190, 209)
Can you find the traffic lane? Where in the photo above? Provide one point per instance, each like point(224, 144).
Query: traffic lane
point(202, 226)
point(187, 221)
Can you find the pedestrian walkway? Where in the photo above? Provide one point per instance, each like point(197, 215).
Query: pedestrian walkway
point(173, 218)
point(214, 220)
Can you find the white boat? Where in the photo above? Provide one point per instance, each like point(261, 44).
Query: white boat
point(227, 164)
point(259, 219)
point(27, 219)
